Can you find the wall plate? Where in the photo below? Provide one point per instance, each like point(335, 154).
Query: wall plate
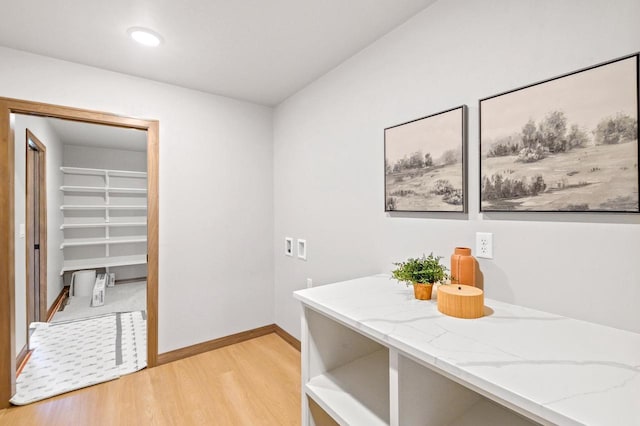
point(484, 245)
point(302, 249)
point(288, 246)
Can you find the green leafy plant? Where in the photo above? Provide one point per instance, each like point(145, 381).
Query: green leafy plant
point(425, 270)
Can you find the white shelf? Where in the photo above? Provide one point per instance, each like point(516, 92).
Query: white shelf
point(126, 207)
point(83, 207)
point(103, 262)
point(72, 188)
point(100, 225)
point(102, 207)
point(355, 393)
point(102, 172)
point(76, 242)
point(127, 190)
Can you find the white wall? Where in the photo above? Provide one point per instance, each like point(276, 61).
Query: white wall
point(216, 194)
point(104, 158)
point(328, 159)
point(54, 152)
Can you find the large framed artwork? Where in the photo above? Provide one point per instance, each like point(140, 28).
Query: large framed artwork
point(425, 163)
point(565, 144)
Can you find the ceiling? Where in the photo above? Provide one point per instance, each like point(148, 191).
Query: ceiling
point(98, 136)
point(256, 50)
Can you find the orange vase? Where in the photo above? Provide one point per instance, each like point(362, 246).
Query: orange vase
point(463, 267)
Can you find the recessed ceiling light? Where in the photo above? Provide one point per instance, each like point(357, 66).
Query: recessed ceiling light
point(144, 36)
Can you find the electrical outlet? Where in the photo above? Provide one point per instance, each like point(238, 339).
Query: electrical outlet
point(309, 283)
point(484, 245)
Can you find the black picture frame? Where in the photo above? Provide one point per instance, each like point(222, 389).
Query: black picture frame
point(425, 163)
point(578, 155)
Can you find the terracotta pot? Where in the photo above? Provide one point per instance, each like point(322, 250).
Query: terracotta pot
point(463, 267)
point(422, 291)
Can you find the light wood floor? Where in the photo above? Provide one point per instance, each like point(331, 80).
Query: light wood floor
point(256, 382)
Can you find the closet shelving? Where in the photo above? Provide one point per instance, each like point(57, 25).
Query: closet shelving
point(103, 172)
point(71, 188)
point(105, 262)
point(76, 242)
point(100, 207)
point(93, 202)
point(100, 225)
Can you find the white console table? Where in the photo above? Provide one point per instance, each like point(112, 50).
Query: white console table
point(372, 354)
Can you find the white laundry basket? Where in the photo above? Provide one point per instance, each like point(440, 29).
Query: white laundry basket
point(82, 283)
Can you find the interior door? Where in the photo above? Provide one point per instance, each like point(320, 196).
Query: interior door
point(36, 227)
point(33, 301)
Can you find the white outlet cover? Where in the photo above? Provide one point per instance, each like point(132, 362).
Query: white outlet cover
point(484, 245)
point(302, 249)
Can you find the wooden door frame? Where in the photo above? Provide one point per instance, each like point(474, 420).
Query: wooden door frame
point(42, 201)
point(10, 106)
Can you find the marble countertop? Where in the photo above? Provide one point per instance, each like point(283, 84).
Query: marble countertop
point(558, 369)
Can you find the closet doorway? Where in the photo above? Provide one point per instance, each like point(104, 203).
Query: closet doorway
point(10, 236)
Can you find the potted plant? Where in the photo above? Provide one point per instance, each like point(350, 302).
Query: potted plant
point(422, 273)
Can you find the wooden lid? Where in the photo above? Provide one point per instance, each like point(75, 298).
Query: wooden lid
point(460, 290)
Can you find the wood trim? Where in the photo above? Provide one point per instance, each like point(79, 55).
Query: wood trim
point(152, 242)
point(215, 344)
point(74, 114)
point(21, 359)
point(7, 246)
point(28, 239)
point(287, 337)
point(23, 362)
point(64, 293)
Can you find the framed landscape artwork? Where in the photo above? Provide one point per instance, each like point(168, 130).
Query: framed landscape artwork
point(425, 163)
point(565, 144)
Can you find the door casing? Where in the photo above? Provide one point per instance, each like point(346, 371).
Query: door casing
point(10, 106)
